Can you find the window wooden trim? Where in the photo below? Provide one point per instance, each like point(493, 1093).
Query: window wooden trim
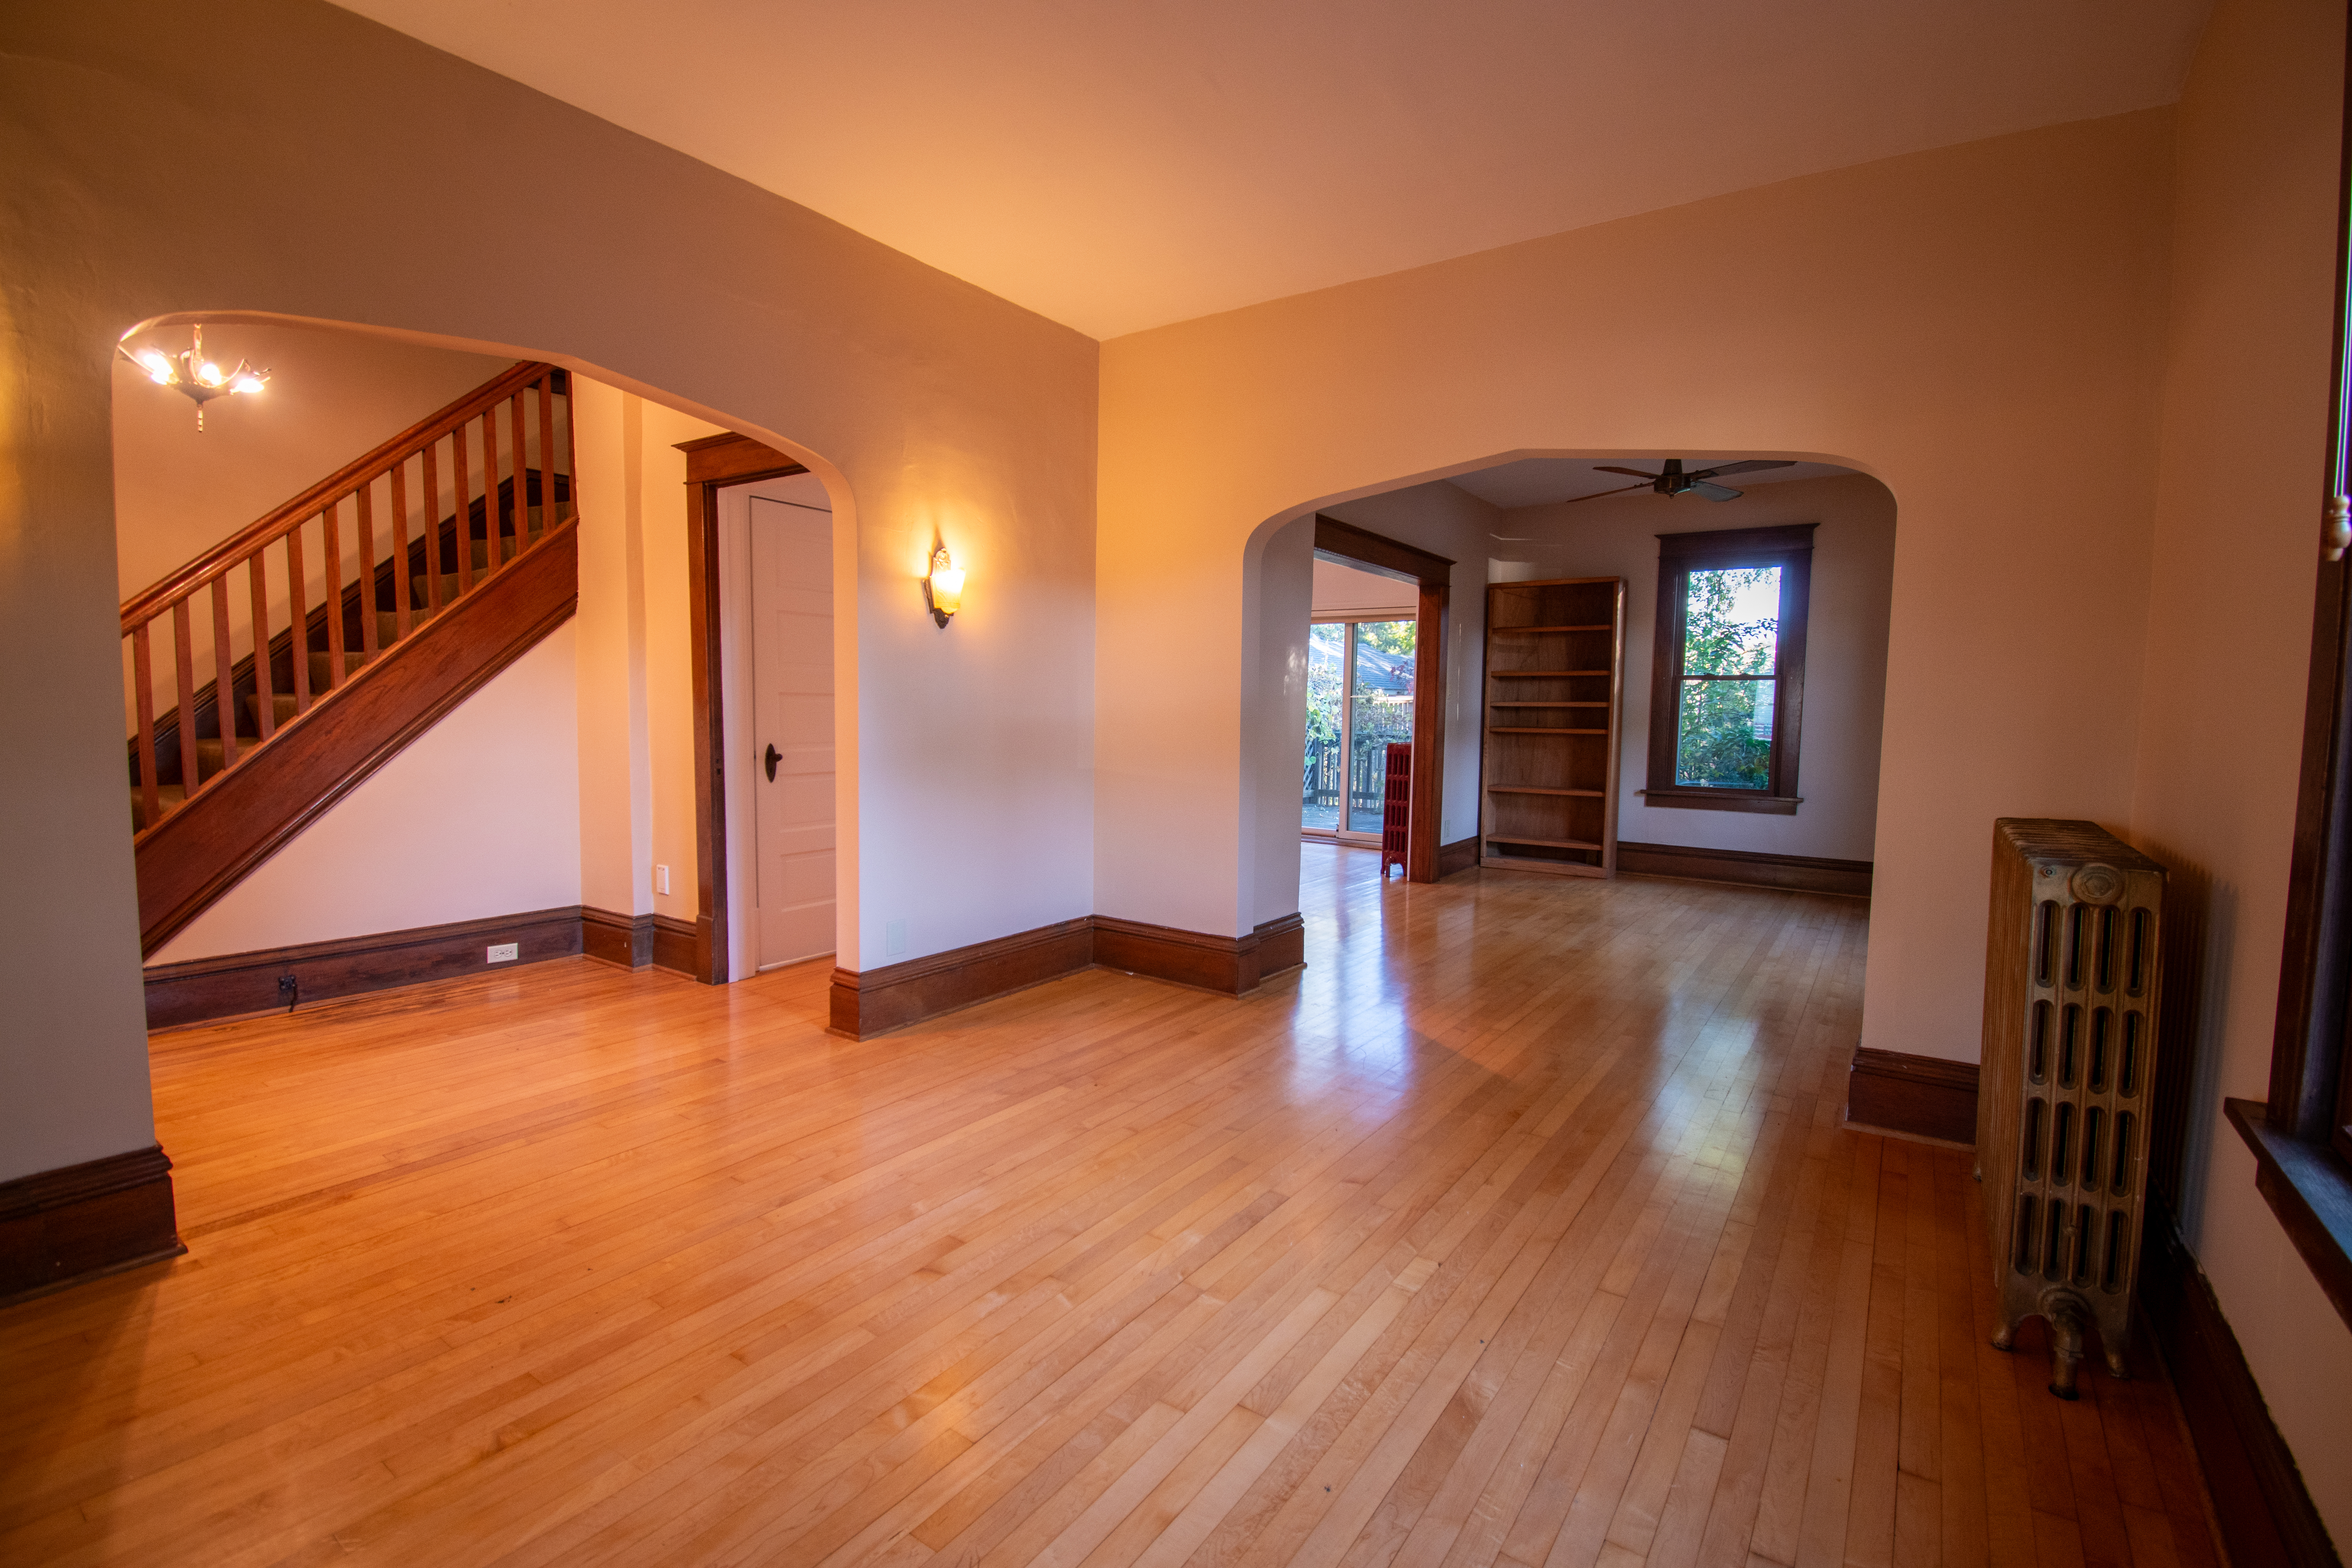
point(2302, 1136)
point(1790, 548)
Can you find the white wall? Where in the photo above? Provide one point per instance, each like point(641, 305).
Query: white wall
point(613, 697)
point(1846, 647)
point(479, 816)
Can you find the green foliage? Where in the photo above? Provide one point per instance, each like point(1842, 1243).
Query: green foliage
point(1722, 739)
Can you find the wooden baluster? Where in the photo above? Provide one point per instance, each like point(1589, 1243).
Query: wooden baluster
point(400, 551)
point(183, 655)
point(366, 585)
point(571, 440)
point(547, 455)
point(224, 674)
point(331, 593)
point(265, 683)
point(142, 684)
point(433, 528)
point(519, 422)
point(298, 618)
point(465, 504)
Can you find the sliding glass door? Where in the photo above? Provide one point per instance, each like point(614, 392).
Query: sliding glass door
point(1358, 699)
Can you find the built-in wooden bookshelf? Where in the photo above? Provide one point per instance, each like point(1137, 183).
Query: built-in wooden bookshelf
point(1555, 687)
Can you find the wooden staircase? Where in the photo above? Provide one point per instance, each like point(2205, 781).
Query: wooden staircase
point(348, 620)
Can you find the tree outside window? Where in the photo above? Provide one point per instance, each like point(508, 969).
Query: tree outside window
point(1727, 676)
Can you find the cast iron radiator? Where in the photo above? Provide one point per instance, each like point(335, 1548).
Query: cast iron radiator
point(2072, 969)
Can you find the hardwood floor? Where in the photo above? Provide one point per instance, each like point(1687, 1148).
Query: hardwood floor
point(1520, 1229)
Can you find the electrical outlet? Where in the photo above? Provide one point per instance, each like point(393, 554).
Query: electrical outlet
point(505, 953)
point(661, 881)
point(893, 939)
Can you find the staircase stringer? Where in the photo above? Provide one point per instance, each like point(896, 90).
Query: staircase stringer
point(205, 846)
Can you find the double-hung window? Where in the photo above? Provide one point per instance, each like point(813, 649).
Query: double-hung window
point(1728, 678)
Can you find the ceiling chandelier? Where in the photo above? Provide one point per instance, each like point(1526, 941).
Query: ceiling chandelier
point(193, 374)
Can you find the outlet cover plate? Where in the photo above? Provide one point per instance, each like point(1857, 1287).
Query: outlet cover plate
point(505, 953)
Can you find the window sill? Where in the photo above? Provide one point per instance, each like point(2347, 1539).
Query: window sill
point(1722, 800)
point(2310, 1191)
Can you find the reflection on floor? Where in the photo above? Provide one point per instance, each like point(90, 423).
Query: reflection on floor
point(1518, 1228)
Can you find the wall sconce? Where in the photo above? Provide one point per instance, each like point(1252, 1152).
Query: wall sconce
point(943, 589)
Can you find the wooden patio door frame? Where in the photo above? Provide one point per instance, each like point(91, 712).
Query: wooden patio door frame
point(1434, 574)
point(712, 464)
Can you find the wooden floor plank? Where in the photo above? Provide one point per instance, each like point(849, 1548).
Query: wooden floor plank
point(1521, 1228)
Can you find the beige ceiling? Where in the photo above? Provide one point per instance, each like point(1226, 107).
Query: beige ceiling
point(1117, 164)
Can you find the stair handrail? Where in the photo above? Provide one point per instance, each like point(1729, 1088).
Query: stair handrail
point(282, 529)
point(154, 600)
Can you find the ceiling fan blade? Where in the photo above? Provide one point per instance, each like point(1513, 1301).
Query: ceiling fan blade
point(1606, 468)
point(1713, 492)
point(1746, 468)
point(1620, 491)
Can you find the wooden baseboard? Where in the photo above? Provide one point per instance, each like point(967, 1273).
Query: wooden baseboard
point(870, 1002)
point(1231, 965)
point(674, 945)
point(2264, 1512)
point(624, 940)
point(1790, 873)
point(1925, 1096)
point(1459, 856)
point(240, 983)
point(60, 1226)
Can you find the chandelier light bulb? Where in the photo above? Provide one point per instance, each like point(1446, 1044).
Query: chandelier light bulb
point(199, 377)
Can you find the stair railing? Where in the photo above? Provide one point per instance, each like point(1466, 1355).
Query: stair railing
point(466, 491)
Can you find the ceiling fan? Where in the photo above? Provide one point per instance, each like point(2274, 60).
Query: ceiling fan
point(1675, 482)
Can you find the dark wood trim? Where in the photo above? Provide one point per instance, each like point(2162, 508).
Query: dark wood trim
point(2307, 1189)
point(1796, 873)
point(249, 813)
point(1459, 856)
point(2310, 1092)
point(236, 984)
point(1926, 1097)
point(870, 1002)
point(727, 458)
point(1432, 612)
point(1729, 546)
point(1722, 800)
point(677, 944)
point(1791, 549)
point(712, 463)
point(1430, 629)
point(62, 1227)
point(624, 940)
point(1231, 965)
point(1377, 550)
point(2259, 1502)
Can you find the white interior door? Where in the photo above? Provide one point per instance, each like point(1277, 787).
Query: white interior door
point(791, 657)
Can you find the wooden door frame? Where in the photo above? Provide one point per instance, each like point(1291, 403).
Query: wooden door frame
point(1435, 573)
point(712, 464)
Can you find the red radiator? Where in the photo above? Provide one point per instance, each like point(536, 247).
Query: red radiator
point(1396, 807)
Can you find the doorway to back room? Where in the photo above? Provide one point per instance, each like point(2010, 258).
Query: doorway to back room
point(1361, 654)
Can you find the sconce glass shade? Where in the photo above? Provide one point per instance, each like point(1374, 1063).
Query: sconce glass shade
point(944, 586)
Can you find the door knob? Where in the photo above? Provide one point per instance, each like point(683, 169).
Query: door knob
point(774, 757)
